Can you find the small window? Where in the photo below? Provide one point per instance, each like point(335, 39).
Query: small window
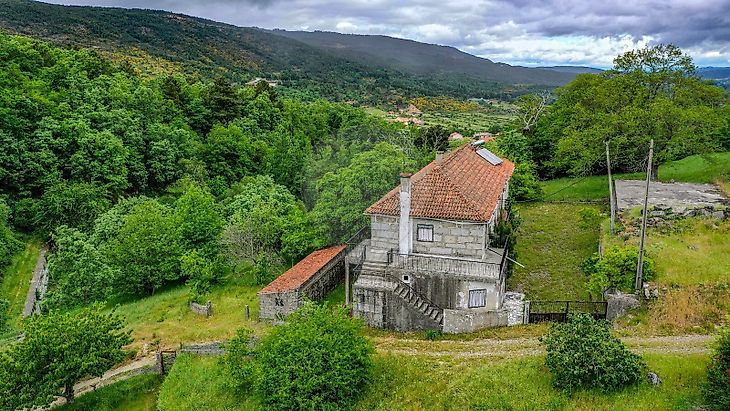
point(362, 298)
point(424, 232)
point(406, 279)
point(477, 298)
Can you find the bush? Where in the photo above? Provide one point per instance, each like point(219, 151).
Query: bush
point(616, 269)
point(717, 388)
point(582, 354)
point(239, 361)
point(318, 360)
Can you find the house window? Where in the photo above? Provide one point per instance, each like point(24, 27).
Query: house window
point(406, 278)
point(424, 232)
point(477, 298)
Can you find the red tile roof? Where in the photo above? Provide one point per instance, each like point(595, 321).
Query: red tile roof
point(461, 186)
point(302, 271)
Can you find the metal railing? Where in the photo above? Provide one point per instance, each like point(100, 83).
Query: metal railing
point(450, 265)
point(557, 311)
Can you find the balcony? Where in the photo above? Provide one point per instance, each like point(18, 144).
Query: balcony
point(484, 270)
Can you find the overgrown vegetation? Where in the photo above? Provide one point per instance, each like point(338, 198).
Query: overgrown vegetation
point(582, 354)
point(616, 269)
point(717, 388)
point(135, 394)
point(317, 360)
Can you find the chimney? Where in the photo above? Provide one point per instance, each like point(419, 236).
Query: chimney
point(439, 155)
point(405, 237)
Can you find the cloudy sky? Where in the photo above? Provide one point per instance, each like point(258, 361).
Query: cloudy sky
point(526, 32)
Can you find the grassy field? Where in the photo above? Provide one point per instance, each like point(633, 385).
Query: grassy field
point(695, 252)
point(552, 246)
point(420, 383)
point(16, 281)
point(165, 318)
point(200, 383)
point(135, 394)
point(708, 168)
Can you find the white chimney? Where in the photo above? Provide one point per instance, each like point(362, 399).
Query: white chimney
point(405, 237)
point(439, 155)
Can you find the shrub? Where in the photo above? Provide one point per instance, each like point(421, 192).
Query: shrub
point(582, 354)
point(616, 269)
point(239, 361)
point(318, 360)
point(717, 388)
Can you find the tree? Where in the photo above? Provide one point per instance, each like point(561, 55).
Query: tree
point(582, 354)
point(530, 108)
point(201, 272)
point(4, 307)
point(72, 204)
point(649, 94)
point(58, 350)
point(615, 269)
point(433, 138)
point(346, 193)
point(77, 271)
point(9, 245)
point(147, 249)
point(717, 387)
point(266, 217)
point(198, 221)
point(317, 360)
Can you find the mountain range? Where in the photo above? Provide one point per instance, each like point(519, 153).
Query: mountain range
point(360, 68)
point(318, 64)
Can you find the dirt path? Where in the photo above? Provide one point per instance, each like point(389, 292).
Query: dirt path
point(37, 283)
point(522, 347)
point(124, 372)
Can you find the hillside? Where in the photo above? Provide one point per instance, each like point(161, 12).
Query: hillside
point(421, 58)
point(159, 41)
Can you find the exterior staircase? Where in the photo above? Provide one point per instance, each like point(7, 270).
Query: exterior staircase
point(421, 304)
point(373, 267)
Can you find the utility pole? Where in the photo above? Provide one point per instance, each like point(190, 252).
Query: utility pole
point(610, 189)
point(640, 266)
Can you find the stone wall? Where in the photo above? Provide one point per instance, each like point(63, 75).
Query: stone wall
point(452, 239)
point(326, 280)
point(463, 321)
point(369, 299)
point(202, 309)
point(449, 238)
point(277, 306)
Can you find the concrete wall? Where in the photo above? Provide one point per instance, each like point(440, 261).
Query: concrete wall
point(401, 316)
point(383, 237)
point(463, 321)
point(450, 291)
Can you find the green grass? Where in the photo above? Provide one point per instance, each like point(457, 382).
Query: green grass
point(421, 383)
point(696, 252)
point(135, 394)
point(706, 168)
point(412, 383)
point(16, 281)
point(200, 383)
point(165, 317)
point(336, 296)
point(552, 246)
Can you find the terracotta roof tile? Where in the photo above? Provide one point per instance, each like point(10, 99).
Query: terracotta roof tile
point(461, 186)
point(302, 271)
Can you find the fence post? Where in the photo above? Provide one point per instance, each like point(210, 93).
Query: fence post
point(248, 314)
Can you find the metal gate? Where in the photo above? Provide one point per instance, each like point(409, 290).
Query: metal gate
point(557, 311)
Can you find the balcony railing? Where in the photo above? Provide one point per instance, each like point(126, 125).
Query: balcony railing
point(426, 263)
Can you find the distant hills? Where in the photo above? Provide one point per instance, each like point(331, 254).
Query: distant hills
point(308, 65)
point(422, 59)
point(331, 65)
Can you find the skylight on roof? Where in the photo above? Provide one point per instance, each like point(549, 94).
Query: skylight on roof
point(489, 156)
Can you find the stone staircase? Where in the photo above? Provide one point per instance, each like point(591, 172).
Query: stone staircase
point(412, 298)
point(373, 267)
